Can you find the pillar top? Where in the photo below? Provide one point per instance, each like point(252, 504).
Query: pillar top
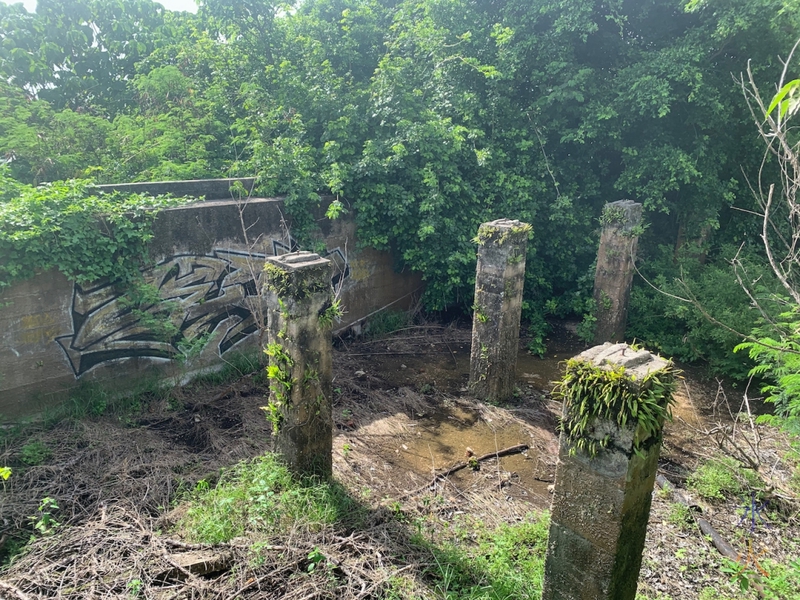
point(293, 261)
point(623, 214)
point(504, 224)
point(638, 363)
point(500, 231)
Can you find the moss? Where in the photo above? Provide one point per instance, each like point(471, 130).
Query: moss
point(489, 232)
point(299, 284)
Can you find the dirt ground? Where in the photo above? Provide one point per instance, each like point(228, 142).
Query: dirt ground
point(402, 416)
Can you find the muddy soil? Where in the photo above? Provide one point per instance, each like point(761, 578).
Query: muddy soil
point(402, 415)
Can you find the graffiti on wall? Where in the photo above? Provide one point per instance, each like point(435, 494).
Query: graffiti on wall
point(200, 299)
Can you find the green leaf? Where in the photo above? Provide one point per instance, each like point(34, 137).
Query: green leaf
point(790, 89)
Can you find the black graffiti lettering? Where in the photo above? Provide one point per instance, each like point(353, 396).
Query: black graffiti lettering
point(202, 296)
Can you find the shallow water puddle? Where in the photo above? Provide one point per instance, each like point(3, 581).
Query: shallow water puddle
point(452, 435)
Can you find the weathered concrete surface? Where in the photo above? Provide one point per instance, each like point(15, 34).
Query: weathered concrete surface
point(601, 504)
point(614, 275)
point(499, 280)
point(365, 279)
point(55, 334)
point(210, 189)
point(298, 293)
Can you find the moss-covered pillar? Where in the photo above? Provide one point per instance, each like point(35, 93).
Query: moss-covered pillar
point(619, 239)
point(615, 401)
point(300, 311)
point(498, 305)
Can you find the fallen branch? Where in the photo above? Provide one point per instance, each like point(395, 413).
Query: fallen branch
point(519, 448)
point(15, 592)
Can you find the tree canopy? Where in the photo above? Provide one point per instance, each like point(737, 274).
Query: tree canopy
point(425, 118)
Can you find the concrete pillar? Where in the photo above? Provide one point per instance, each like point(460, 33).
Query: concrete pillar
point(612, 280)
point(498, 305)
point(605, 473)
point(297, 289)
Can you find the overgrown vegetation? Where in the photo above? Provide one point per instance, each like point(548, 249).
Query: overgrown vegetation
point(424, 118)
point(87, 237)
point(723, 478)
point(593, 394)
point(261, 501)
point(261, 498)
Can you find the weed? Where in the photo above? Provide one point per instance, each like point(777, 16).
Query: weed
point(679, 515)
point(507, 562)
point(237, 364)
point(134, 587)
point(262, 496)
point(398, 588)
point(35, 453)
point(332, 313)
point(720, 478)
point(44, 522)
point(387, 322)
point(346, 449)
point(315, 557)
point(709, 593)
point(586, 329)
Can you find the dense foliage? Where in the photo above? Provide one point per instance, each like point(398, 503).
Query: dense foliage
point(85, 236)
point(425, 118)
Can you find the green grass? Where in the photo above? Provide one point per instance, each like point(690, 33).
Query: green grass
point(262, 497)
point(722, 478)
point(499, 564)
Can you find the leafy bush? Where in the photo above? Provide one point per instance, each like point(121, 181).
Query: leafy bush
point(681, 329)
point(777, 354)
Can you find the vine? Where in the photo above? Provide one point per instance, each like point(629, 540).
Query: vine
point(281, 384)
point(86, 237)
point(591, 393)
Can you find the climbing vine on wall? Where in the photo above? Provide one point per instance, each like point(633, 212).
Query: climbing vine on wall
point(280, 383)
point(87, 237)
point(591, 393)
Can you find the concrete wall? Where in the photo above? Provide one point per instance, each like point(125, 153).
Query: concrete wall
point(55, 333)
